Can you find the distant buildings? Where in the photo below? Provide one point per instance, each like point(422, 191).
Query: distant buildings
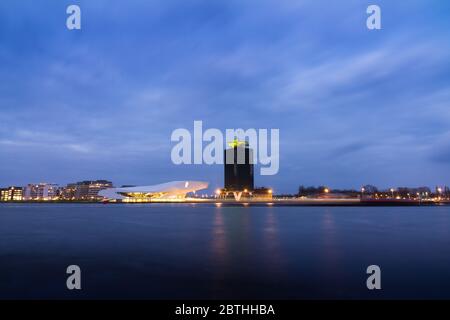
point(85, 190)
point(442, 192)
point(79, 191)
point(312, 191)
point(323, 192)
point(369, 189)
point(406, 192)
point(41, 191)
point(372, 192)
point(11, 194)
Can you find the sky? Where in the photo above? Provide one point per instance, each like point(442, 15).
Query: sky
point(353, 106)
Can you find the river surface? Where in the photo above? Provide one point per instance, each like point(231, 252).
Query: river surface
point(200, 251)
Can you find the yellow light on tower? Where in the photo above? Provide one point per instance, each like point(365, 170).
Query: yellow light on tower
point(236, 143)
point(326, 190)
point(218, 192)
point(270, 191)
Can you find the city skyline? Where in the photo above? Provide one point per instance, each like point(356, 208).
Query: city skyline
point(353, 106)
point(88, 189)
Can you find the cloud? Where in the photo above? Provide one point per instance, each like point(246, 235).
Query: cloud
point(440, 149)
point(349, 149)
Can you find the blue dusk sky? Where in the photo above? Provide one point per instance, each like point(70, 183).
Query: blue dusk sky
point(353, 106)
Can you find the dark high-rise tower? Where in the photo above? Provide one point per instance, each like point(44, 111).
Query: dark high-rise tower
point(238, 166)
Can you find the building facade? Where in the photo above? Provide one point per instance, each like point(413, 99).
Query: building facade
point(238, 167)
point(85, 190)
point(11, 194)
point(165, 192)
point(41, 191)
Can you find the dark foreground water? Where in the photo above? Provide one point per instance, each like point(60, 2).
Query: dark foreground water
point(202, 251)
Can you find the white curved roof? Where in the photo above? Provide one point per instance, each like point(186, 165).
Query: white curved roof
point(173, 187)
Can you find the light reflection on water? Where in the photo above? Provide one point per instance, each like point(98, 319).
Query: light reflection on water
point(274, 252)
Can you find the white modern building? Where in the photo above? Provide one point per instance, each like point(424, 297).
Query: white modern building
point(170, 191)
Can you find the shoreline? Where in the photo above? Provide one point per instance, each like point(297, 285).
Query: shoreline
point(273, 202)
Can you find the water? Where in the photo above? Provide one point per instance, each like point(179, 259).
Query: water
point(183, 251)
